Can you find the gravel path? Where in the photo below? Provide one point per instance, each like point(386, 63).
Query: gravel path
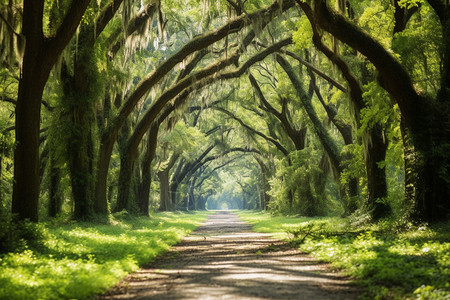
point(224, 259)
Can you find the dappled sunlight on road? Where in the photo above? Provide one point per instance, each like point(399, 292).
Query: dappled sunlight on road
point(223, 259)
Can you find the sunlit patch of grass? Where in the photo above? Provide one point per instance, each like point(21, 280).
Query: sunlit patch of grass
point(82, 259)
point(413, 263)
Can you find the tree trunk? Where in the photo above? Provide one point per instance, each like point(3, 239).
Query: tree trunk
point(101, 178)
point(164, 190)
point(201, 203)
point(35, 72)
point(55, 193)
point(191, 197)
point(80, 157)
point(265, 186)
point(163, 176)
point(173, 193)
point(39, 57)
point(144, 187)
point(429, 167)
point(410, 159)
point(127, 160)
point(375, 153)
point(26, 153)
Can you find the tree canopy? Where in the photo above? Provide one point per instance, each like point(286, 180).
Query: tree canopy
point(336, 107)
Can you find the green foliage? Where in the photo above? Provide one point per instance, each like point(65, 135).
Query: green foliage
point(79, 260)
point(299, 233)
point(355, 166)
point(297, 178)
point(184, 139)
point(379, 109)
point(410, 3)
point(378, 23)
point(302, 37)
point(19, 236)
point(420, 48)
point(391, 260)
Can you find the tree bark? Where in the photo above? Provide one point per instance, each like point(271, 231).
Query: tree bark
point(126, 172)
point(163, 176)
point(164, 190)
point(55, 193)
point(144, 186)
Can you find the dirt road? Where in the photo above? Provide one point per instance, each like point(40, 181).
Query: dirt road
point(224, 259)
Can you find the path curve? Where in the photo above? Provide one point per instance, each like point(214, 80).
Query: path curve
point(224, 259)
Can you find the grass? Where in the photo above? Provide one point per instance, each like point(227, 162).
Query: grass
point(80, 260)
point(388, 264)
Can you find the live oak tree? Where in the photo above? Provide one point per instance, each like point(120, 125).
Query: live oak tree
point(40, 55)
point(425, 118)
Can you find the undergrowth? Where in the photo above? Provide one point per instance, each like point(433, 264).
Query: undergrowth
point(79, 260)
point(388, 260)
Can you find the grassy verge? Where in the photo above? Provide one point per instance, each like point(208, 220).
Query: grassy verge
point(82, 259)
point(389, 264)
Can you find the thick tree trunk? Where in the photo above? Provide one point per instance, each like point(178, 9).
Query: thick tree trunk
point(28, 110)
point(80, 157)
point(173, 188)
point(82, 96)
point(410, 159)
point(375, 152)
point(79, 103)
point(429, 166)
point(78, 108)
point(163, 176)
point(40, 55)
point(191, 197)
point(101, 178)
point(127, 160)
point(26, 153)
point(164, 190)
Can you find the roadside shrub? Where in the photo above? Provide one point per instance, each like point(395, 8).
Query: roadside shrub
point(19, 236)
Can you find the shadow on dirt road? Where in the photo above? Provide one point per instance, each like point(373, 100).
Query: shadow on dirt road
point(224, 259)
